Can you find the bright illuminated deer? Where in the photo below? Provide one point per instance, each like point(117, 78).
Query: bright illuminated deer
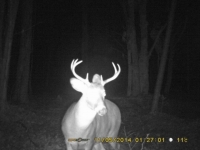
point(92, 116)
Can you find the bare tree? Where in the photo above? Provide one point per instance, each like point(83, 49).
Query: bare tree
point(85, 36)
point(169, 72)
point(132, 48)
point(12, 13)
point(138, 60)
point(163, 59)
point(23, 69)
point(143, 57)
point(2, 25)
point(173, 43)
point(2, 12)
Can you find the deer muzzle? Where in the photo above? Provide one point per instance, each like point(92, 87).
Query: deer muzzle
point(101, 110)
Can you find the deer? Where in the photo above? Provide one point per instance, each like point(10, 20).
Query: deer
point(92, 116)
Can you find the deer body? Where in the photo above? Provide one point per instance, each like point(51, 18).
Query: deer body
point(92, 116)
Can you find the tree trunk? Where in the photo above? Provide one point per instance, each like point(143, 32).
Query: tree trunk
point(85, 37)
point(171, 59)
point(143, 58)
point(2, 11)
point(163, 59)
point(2, 25)
point(138, 61)
point(169, 73)
point(12, 13)
point(133, 66)
point(21, 88)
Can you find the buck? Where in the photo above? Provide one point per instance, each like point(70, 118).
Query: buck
point(93, 116)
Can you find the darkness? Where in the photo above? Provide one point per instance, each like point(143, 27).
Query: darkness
point(57, 36)
point(57, 40)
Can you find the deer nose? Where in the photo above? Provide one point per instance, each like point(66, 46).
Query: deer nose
point(101, 110)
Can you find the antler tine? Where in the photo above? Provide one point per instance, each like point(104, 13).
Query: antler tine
point(114, 76)
point(75, 63)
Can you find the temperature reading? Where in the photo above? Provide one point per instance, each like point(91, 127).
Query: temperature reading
point(182, 140)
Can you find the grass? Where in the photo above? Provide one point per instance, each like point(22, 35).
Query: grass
point(38, 127)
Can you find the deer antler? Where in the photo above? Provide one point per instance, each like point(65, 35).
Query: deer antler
point(75, 63)
point(113, 77)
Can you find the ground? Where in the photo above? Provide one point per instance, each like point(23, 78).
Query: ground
point(38, 127)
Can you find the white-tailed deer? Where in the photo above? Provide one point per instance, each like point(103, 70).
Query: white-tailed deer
point(92, 116)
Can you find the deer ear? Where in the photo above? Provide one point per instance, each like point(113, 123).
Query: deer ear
point(78, 85)
point(96, 79)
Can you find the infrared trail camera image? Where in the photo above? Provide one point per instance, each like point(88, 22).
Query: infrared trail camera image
point(99, 75)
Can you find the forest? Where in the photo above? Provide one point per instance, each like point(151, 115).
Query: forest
point(99, 74)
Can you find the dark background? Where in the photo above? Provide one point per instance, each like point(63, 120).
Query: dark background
point(57, 36)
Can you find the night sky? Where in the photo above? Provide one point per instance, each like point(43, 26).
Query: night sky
point(57, 36)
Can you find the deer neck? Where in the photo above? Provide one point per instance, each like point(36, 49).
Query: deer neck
point(83, 114)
